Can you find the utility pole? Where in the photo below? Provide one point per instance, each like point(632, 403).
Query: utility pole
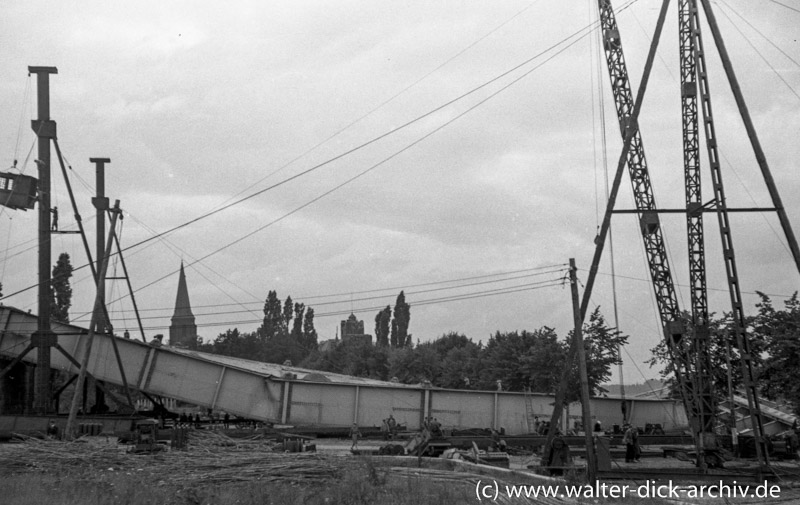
point(591, 461)
point(44, 338)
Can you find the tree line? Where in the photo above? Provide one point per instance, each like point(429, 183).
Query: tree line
point(286, 333)
point(511, 361)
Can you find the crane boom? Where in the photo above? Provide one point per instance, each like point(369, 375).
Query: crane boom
point(655, 248)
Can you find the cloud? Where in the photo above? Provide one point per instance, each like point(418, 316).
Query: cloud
point(198, 102)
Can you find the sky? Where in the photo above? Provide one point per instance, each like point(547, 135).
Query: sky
point(451, 149)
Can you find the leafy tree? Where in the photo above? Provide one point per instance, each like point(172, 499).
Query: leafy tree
point(236, 344)
point(273, 342)
point(402, 317)
point(722, 336)
point(352, 358)
point(273, 317)
point(61, 290)
point(459, 359)
point(382, 325)
point(297, 328)
point(779, 331)
point(460, 367)
point(522, 360)
point(309, 342)
point(601, 344)
point(288, 312)
point(414, 365)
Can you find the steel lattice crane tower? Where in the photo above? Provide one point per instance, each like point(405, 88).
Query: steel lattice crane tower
point(690, 357)
point(700, 413)
point(704, 406)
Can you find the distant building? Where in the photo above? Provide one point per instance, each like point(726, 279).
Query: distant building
point(183, 330)
point(352, 330)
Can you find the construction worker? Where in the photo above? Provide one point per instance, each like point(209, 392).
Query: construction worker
point(355, 434)
point(436, 428)
point(629, 439)
point(52, 430)
point(54, 222)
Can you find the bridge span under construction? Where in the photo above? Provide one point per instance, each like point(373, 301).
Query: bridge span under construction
point(295, 396)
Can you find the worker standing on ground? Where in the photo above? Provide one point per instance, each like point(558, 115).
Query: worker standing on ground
point(436, 428)
point(52, 430)
point(392, 426)
point(354, 435)
point(630, 444)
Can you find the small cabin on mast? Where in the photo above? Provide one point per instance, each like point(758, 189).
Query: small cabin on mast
point(18, 191)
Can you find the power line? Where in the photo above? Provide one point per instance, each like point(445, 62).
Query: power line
point(371, 141)
point(465, 296)
point(371, 298)
point(393, 289)
point(537, 286)
point(750, 43)
point(385, 102)
point(784, 5)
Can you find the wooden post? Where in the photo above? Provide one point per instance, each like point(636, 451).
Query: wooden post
point(591, 461)
point(96, 314)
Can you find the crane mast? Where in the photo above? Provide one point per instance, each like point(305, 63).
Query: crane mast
point(686, 362)
point(691, 53)
point(690, 357)
point(719, 202)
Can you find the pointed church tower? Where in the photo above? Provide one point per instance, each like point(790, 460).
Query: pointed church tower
point(183, 330)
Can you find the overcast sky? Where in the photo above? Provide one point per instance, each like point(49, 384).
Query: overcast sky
point(199, 104)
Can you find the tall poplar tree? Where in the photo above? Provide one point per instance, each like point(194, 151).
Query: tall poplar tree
point(402, 318)
point(61, 290)
point(383, 321)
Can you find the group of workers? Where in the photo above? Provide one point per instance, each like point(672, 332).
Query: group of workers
point(388, 431)
point(389, 427)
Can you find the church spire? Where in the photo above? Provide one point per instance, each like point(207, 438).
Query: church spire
point(183, 330)
point(183, 308)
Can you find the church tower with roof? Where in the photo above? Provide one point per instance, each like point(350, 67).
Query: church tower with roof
point(183, 330)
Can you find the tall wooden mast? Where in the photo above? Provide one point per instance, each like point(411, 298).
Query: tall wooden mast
point(44, 338)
